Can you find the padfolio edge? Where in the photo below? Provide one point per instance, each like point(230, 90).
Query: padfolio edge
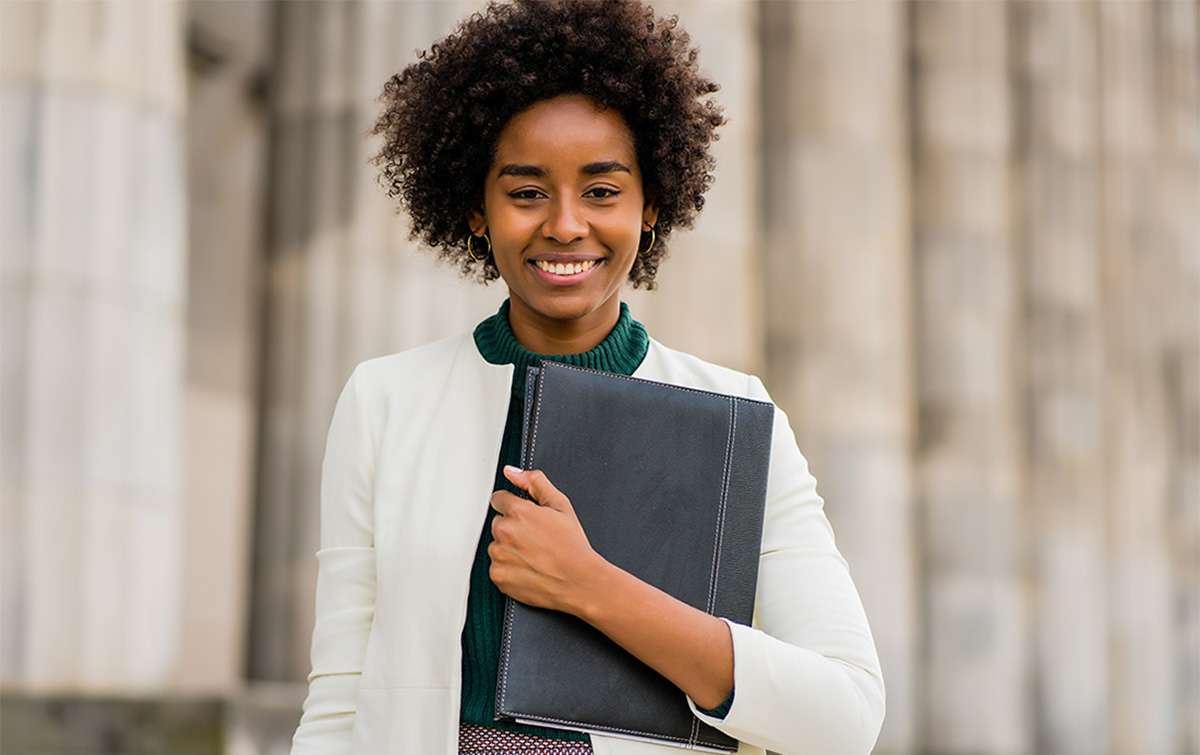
point(559, 671)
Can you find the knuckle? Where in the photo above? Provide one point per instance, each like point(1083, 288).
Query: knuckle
point(496, 556)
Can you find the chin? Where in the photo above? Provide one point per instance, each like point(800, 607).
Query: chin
point(567, 311)
point(568, 306)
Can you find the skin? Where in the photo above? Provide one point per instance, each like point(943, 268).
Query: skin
point(565, 187)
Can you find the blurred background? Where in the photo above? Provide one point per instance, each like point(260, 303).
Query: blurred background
point(960, 242)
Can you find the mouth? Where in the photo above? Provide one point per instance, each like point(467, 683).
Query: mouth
point(565, 269)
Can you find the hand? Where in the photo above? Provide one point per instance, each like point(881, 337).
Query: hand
point(540, 555)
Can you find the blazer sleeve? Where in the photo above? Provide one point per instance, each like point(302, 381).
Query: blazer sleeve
point(806, 675)
point(345, 596)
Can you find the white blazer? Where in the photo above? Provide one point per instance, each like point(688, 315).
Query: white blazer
point(408, 474)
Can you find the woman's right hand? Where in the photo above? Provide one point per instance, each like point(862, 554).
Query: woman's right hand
point(541, 555)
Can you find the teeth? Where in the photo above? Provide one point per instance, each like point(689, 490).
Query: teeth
point(568, 268)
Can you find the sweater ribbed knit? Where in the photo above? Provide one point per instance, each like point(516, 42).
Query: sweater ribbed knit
point(620, 352)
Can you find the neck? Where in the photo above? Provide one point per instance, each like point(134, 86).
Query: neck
point(546, 335)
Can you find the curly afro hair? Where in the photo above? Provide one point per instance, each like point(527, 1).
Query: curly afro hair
point(444, 113)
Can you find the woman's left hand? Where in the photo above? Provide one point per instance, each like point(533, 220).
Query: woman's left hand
point(540, 555)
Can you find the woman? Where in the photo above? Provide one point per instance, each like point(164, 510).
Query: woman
point(554, 145)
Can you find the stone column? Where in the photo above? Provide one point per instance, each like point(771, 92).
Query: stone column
point(1138, 290)
point(976, 644)
point(343, 282)
point(839, 324)
point(1059, 245)
point(1176, 45)
point(709, 296)
point(229, 47)
point(92, 98)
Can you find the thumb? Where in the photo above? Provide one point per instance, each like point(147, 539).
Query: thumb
point(538, 486)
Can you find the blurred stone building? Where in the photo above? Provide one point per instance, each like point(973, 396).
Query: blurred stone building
point(960, 241)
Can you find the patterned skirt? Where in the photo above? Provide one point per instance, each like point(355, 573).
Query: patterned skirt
point(480, 740)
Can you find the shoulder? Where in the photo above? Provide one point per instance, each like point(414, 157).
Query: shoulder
point(451, 366)
point(422, 362)
point(669, 365)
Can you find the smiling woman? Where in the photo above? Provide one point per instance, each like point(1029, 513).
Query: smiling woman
point(553, 144)
point(444, 113)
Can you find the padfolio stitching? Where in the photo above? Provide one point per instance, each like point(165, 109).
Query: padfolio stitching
point(692, 740)
point(632, 379)
point(569, 722)
point(721, 504)
point(537, 413)
point(508, 607)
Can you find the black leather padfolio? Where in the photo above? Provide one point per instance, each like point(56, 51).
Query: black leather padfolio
point(669, 484)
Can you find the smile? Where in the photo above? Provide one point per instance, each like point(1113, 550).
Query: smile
point(565, 268)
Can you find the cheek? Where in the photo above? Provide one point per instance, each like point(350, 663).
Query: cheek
point(628, 229)
point(510, 227)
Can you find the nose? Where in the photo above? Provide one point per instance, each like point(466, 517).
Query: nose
point(566, 221)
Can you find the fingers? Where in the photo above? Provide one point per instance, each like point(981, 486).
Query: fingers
point(538, 486)
point(508, 504)
point(503, 501)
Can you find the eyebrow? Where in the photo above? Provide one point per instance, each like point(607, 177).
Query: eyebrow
point(591, 169)
point(531, 171)
point(606, 166)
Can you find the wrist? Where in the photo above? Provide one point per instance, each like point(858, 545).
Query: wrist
point(599, 587)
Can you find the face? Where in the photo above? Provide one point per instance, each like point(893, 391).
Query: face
point(564, 209)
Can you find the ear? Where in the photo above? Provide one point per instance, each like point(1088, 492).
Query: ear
point(649, 214)
point(477, 216)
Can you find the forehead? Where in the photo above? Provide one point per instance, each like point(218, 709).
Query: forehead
point(564, 130)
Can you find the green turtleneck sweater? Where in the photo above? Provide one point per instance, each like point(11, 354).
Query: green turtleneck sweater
point(620, 352)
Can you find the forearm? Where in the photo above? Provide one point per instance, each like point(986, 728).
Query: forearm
point(687, 646)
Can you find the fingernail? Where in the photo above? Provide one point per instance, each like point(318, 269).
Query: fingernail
point(511, 468)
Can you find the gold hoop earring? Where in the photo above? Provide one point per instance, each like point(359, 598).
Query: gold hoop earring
point(471, 251)
point(652, 240)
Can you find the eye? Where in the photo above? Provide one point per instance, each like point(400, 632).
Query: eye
point(526, 195)
point(601, 192)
